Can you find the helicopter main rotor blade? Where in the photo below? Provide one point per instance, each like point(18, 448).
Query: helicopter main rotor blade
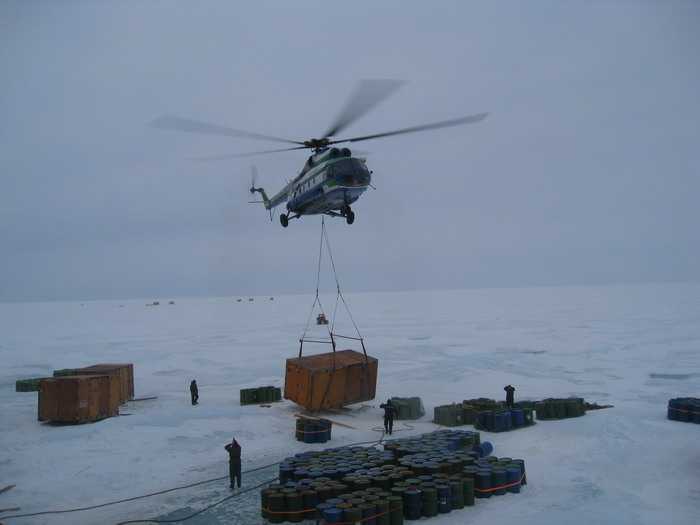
point(367, 94)
point(247, 154)
point(435, 125)
point(172, 122)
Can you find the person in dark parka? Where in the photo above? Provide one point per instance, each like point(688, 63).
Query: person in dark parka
point(509, 395)
point(234, 462)
point(194, 392)
point(389, 413)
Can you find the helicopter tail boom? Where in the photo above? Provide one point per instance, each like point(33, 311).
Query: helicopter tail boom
point(265, 199)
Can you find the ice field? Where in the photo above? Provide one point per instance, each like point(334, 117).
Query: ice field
point(630, 346)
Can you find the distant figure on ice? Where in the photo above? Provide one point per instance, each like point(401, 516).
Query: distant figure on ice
point(194, 392)
point(389, 413)
point(234, 462)
point(509, 395)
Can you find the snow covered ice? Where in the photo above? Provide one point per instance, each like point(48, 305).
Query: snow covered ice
point(630, 346)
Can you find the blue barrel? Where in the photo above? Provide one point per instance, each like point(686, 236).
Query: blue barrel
point(300, 474)
point(499, 421)
point(334, 501)
point(321, 509)
point(485, 419)
point(498, 479)
point(518, 417)
point(412, 503)
point(444, 496)
point(454, 444)
point(513, 478)
point(333, 515)
point(286, 472)
point(482, 483)
point(523, 475)
point(484, 449)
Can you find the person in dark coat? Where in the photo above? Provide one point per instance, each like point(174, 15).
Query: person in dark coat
point(234, 462)
point(194, 392)
point(509, 395)
point(389, 413)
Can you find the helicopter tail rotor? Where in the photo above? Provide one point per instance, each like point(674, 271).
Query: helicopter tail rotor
point(253, 178)
point(253, 190)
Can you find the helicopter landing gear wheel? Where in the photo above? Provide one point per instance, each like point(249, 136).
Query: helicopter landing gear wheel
point(284, 220)
point(350, 217)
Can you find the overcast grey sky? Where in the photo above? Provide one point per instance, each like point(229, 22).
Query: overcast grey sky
point(586, 170)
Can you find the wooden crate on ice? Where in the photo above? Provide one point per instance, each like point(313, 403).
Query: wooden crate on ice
point(330, 380)
point(124, 372)
point(78, 399)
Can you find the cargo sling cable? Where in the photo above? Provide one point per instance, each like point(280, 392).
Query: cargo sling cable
point(151, 494)
point(339, 297)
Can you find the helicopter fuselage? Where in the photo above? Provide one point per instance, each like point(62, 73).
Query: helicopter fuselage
point(331, 180)
point(328, 184)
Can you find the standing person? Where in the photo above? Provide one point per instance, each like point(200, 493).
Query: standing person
point(509, 395)
point(194, 392)
point(234, 462)
point(389, 413)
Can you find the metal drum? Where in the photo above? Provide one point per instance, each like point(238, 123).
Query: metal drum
point(513, 478)
point(498, 479)
point(430, 501)
point(444, 498)
point(518, 417)
point(412, 503)
point(482, 482)
point(457, 494)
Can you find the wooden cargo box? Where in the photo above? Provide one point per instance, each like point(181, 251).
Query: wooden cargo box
point(330, 380)
point(124, 371)
point(78, 399)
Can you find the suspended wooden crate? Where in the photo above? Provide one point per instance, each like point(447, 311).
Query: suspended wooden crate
point(331, 380)
point(124, 373)
point(78, 399)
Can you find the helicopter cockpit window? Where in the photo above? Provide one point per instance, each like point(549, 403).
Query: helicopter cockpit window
point(350, 172)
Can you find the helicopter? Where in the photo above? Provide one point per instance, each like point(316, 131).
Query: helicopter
point(332, 179)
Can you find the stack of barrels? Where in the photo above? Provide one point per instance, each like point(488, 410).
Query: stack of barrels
point(332, 463)
point(496, 476)
point(684, 409)
point(439, 442)
point(504, 420)
point(261, 394)
point(555, 408)
point(448, 415)
point(411, 478)
point(408, 408)
point(472, 407)
point(313, 430)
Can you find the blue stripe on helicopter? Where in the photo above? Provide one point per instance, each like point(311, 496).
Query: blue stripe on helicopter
point(351, 193)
